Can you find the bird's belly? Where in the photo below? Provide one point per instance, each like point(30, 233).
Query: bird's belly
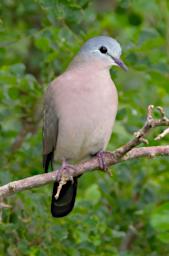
point(86, 132)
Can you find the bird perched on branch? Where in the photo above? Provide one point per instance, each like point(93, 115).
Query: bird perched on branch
point(80, 107)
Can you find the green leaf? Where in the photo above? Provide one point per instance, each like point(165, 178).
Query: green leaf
point(93, 194)
point(160, 222)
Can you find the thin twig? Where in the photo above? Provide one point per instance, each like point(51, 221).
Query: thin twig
point(130, 236)
point(163, 134)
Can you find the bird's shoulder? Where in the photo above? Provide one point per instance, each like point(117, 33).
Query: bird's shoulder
point(64, 83)
point(62, 79)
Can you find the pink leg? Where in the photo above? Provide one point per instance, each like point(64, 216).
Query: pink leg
point(101, 160)
point(66, 169)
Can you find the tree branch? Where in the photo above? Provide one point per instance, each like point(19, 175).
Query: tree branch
point(130, 236)
point(124, 153)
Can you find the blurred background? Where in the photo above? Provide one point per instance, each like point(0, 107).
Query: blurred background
point(38, 38)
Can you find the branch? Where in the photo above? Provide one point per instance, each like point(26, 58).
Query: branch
point(26, 128)
point(163, 134)
point(124, 153)
point(150, 152)
point(90, 165)
point(130, 236)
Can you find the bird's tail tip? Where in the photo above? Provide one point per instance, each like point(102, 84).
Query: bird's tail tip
point(64, 204)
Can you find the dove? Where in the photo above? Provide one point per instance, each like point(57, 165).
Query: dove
point(80, 108)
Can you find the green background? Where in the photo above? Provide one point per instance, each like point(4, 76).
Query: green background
point(37, 41)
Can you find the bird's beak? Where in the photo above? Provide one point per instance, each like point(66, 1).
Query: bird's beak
point(120, 63)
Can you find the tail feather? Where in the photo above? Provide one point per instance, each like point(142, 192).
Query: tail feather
point(48, 160)
point(64, 204)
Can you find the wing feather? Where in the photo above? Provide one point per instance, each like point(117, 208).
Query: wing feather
point(50, 129)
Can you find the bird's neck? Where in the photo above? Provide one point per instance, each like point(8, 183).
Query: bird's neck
point(84, 63)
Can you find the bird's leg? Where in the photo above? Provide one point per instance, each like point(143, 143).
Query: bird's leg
point(64, 174)
point(102, 164)
point(66, 170)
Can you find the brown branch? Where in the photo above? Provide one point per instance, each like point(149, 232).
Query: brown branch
point(163, 134)
point(26, 128)
point(130, 236)
point(150, 152)
point(90, 165)
point(124, 153)
point(139, 136)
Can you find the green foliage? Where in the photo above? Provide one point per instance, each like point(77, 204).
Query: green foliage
point(38, 38)
point(160, 222)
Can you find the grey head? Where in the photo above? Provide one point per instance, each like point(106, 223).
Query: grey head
point(104, 49)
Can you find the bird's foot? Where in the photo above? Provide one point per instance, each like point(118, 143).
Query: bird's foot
point(102, 164)
point(64, 174)
point(66, 170)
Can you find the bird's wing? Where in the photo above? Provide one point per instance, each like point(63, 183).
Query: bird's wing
point(50, 129)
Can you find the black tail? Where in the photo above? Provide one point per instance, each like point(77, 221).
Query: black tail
point(64, 204)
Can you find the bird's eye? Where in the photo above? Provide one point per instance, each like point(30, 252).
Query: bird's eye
point(103, 49)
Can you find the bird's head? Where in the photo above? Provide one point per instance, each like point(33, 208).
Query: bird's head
point(103, 49)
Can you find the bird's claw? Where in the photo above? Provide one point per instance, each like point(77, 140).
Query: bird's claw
point(102, 164)
point(66, 171)
point(64, 174)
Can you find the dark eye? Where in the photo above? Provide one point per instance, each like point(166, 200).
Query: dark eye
point(103, 49)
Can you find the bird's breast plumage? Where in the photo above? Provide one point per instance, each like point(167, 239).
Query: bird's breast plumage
point(86, 107)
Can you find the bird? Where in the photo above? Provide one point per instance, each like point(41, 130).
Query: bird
point(80, 108)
